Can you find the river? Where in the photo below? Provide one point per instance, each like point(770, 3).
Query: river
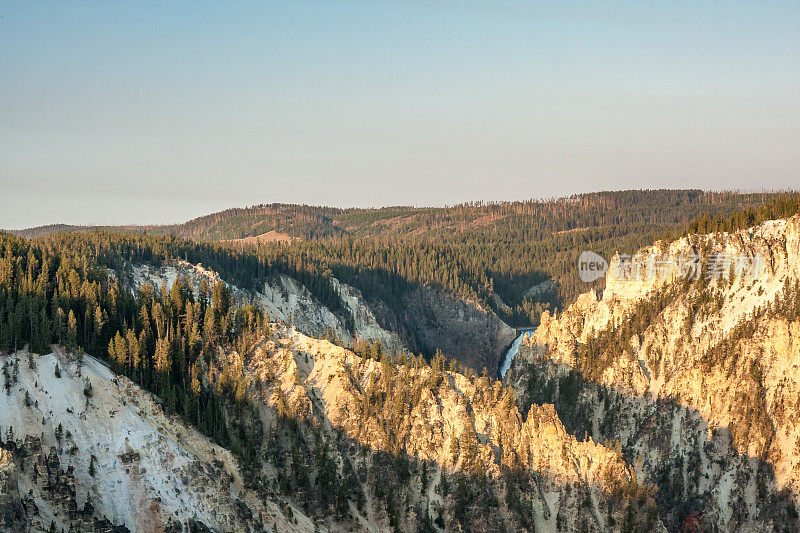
point(512, 351)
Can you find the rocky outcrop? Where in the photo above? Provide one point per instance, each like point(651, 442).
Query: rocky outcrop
point(286, 300)
point(44, 480)
point(364, 321)
point(12, 514)
point(521, 473)
point(696, 379)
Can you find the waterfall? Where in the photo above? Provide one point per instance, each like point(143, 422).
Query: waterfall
point(512, 351)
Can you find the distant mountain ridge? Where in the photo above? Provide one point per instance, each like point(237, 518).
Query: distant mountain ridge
point(304, 221)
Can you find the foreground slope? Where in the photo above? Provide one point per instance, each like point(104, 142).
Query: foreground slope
point(91, 450)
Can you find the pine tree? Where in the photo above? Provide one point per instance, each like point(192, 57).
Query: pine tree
point(469, 445)
point(72, 332)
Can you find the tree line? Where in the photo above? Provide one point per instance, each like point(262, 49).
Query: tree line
point(55, 291)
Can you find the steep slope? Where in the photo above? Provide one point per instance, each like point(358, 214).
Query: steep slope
point(432, 317)
point(697, 379)
point(353, 437)
point(461, 329)
point(89, 450)
point(284, 298)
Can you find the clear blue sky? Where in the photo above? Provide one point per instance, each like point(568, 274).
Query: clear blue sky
point(120, 112)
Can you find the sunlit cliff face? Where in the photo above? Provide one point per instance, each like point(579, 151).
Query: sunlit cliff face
point(709, 364)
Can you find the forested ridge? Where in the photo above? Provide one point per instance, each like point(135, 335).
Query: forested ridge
point(58, 291)
point(491, 253)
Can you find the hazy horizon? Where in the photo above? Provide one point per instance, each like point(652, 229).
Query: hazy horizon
point(148, 113)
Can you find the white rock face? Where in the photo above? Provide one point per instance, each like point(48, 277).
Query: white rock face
point(288, 300)
point(777, 242)
point(150, 469)
point(365, 323)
